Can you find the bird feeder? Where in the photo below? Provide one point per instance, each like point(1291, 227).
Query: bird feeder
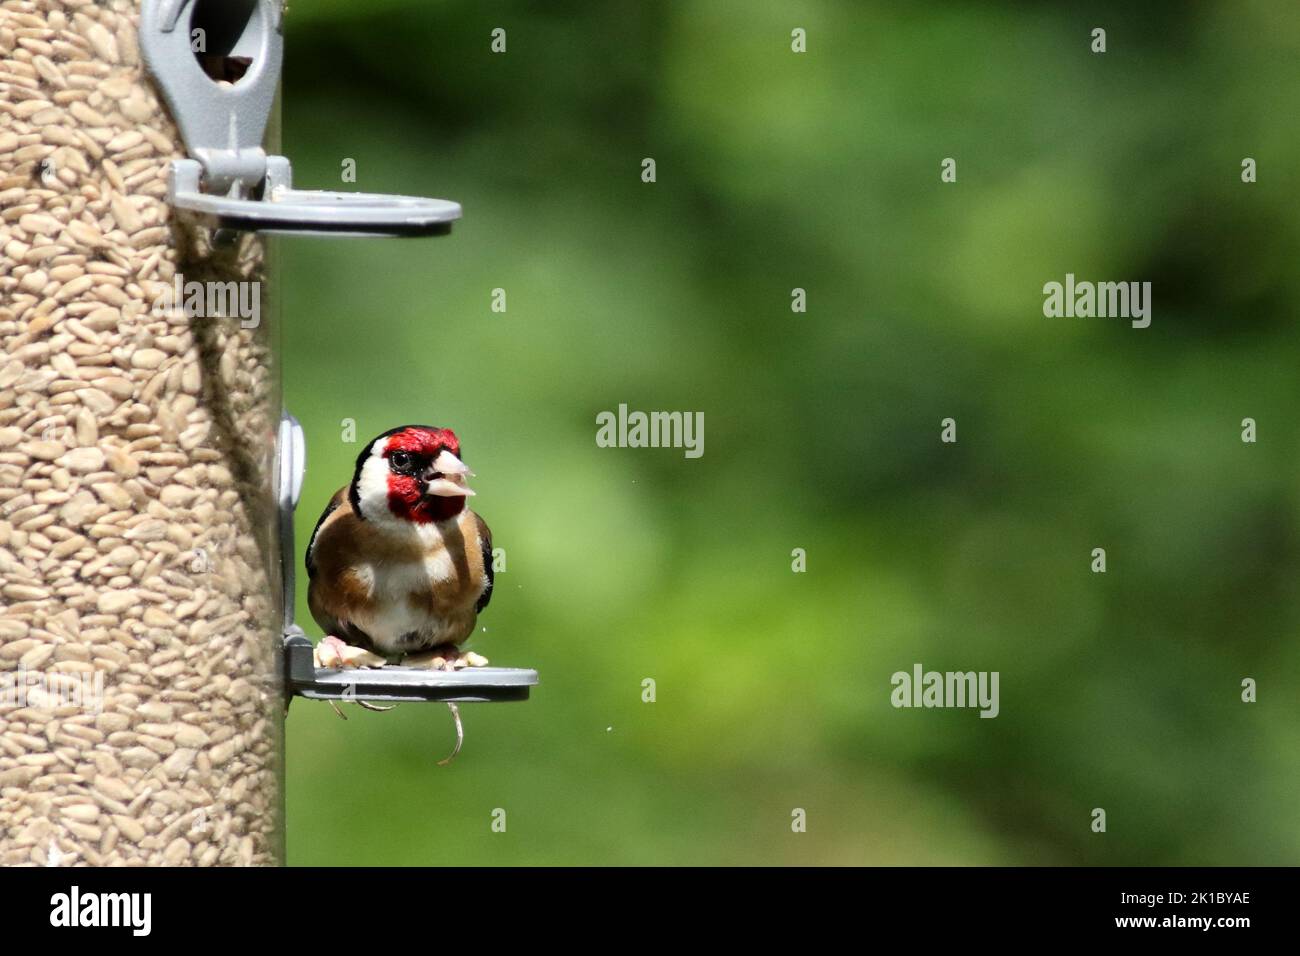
point(147, 474)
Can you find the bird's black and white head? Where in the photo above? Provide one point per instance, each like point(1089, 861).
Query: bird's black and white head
point(410, 475)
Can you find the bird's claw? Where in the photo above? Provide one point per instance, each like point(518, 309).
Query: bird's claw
point(445, 658)
point(333, 654)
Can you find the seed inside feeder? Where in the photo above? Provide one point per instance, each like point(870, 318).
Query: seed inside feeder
point(135, 495)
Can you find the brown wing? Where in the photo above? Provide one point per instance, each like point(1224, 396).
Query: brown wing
point(332, 593)
point(339, 500)
point(485, 543)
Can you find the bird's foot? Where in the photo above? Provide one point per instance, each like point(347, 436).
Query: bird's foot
point(332, 653)
point(445, 657)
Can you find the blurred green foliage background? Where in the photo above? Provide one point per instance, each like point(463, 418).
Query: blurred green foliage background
point(821, 171)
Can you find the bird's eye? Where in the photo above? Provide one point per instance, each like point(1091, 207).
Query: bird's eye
point(399, 459)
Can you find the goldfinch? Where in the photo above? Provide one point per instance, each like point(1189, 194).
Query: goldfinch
point(399, 566)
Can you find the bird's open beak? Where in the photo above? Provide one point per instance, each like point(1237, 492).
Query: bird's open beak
point(448, 477)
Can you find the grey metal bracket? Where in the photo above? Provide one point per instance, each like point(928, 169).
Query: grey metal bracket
point(229, 182)
point(390, 684)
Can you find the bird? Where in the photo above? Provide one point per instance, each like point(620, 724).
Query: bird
point(399, 566)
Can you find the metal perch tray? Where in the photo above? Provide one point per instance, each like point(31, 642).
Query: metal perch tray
point(395, 684)
point(228, 180)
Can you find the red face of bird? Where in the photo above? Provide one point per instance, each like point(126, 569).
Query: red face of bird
point(411, 474)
